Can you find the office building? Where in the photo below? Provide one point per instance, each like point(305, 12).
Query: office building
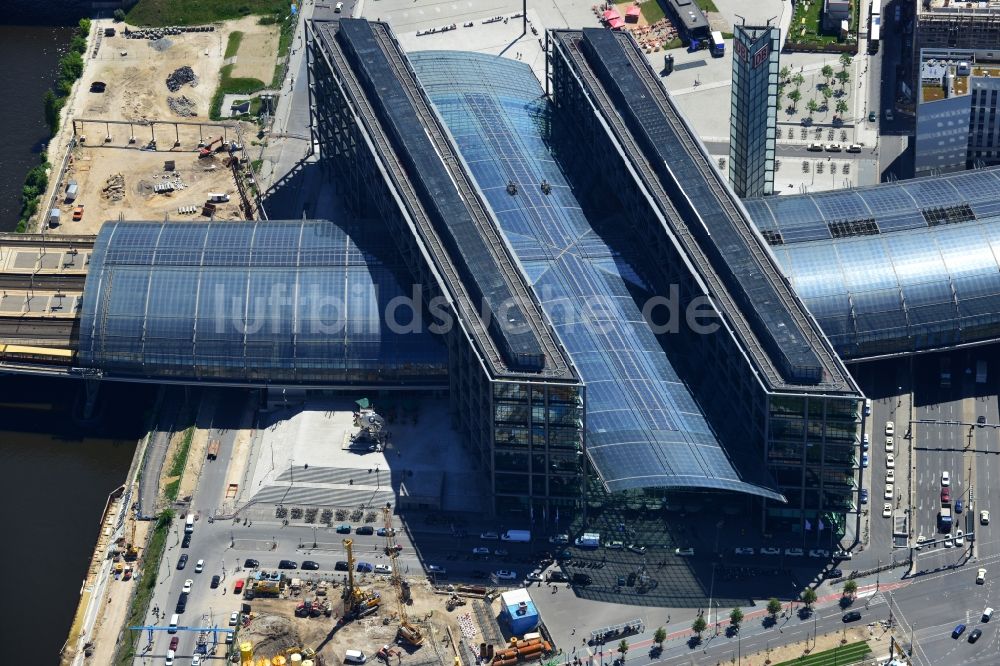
point(754, 115)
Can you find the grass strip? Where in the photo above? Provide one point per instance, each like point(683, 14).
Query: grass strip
point(842, 654)
point(233, 45)
point(157, 13)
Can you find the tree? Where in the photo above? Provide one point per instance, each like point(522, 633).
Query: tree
point(699, 625)
point(841, 107)
point(659, 636)
point(785, 73)
point(846, 60)
point(623, 648)
point(809, 597)
point(53, 105)
point(773, 607)
point(795, 96)
point(827, 93)
point(83, 27)
point(119, 15)
point(798, 80)
point(827, 71)
point(735, 617)
point(812, 106)
point(843, 76)
point(850, 588)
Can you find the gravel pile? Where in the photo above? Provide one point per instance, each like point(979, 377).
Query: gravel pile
point(181, 76)
point(182, 106)
point(161, 44)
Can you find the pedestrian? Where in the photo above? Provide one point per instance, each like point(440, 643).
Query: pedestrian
point(573, 633)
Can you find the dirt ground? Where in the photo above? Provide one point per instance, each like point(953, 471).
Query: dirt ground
point(257, 55)
point(195, 178)
point(369, 634)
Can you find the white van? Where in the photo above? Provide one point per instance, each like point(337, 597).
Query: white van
point(174, 619)
point(189, 524)
point(354, 657)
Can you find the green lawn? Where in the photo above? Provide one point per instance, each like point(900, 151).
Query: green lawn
point(197, 12)
point(233, 45)
point(807, 24)
point(843, 654)
point(651, 10)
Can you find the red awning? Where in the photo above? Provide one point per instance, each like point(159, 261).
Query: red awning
point(611, 15)
point(616, 23)
point(633, 11)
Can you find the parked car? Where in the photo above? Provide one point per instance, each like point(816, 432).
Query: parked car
point(234, 618)
point(834, 573)
point(744, 551)
point(890, 476)
point(250, 563)
point(852, 616)
point(480, 550)
point(639, 550)
point(864, 496)
point(186, 541)
point(501, 552)
point(833, 148)
point(182, 561)
point(238, 588)
point(794, 552)
point(341, 566)
point(890, 461)
point(890, 428)
point(288, 564)
point(767, 550)
point(818, 552)
point(984, 517)
point(309, 565)
point(684, 552)
point(489, 536)
point(215, 581)
point(343, 529)
point(364, 567)
point(981, 421)
point(864, 460)
point(582, 579)
point(890, 489)
point(958, 631)
point(949, 541)
point(958, 506)
point(558, 577)
point(559, 539)
point(959, 538)
point(872, 117)
point(385, 532)
point(503, 574)
point(815, 147)
point(974, 635)
point(436, 570)
point(889, 446)
point(383, 569)
point(199, 566)
point(366, 530)
point(887, 510)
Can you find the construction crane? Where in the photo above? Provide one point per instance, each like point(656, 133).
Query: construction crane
point(357, 602)
point(407, 631)
point(131, 549)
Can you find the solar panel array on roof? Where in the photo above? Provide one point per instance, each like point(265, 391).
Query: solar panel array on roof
point(708, 208)
point(644, 429)
point(255, 302)
point(439, 191)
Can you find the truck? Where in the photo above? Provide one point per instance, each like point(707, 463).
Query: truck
point(945, 372)
point(189, 524)
point(944, 519)
point(589, 540)
point(980, 372)
point(516, 536)
point(874, 31)
point(213, 449)
point(718, 44)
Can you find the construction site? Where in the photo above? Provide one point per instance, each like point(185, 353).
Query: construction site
point(381, 615)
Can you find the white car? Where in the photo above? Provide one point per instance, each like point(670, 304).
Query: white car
point(868, 406)
point(481, 550)
point(890, 476)
point(234, 618)
point(615, 545)
point(959, 538)
point(887, 510)
point(987, 614)
point(684, 552)
point(744, 551)
point(770, 551)
point(945, 479)
point(889, 448)
point(890, 490)
point(187, 585)
point(890, 428)
point(196, 660)
point(169, 659)
point(984, 517)
point(559, 539)
point(890, 461)
point(794, 552)
point(199, 566)
point(981, 578)
point(490, 536)
point(864, 439)
point(819, 552)
point(948, 541)
point(505, 575)
point(383, 569)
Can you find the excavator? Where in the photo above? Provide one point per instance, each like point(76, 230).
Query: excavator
point(357, 602)
point(408, 632)
point(207, 150)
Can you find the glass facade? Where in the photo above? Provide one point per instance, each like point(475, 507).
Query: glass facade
point(754, 114)
point(643, 427)
point(253, 302)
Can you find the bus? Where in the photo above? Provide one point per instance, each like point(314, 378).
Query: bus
point(874, 33)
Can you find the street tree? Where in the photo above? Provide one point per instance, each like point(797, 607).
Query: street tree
point(827, 72)
point(850, 588)
point(798, 79)
point(842, 109)
point(699, 625)
point(785, 73)
point(843, 76)
point(827, 93)
point(773, 607)
point(623, 648)
point(812, 106)
point(795, 96)
point(809, 597)
point(846, 60)
point(659, 636)
point(735, 617)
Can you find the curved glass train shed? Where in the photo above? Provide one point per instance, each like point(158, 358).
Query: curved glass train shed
point(249, 302)
point(644, 429)
point(894, 268)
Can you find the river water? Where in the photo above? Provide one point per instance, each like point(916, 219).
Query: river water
point(56, 476)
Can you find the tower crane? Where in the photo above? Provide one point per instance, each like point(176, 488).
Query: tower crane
point(407, 631)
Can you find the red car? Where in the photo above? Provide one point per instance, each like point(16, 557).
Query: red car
point(945, 495)
point(173, 642)
point(238, 587)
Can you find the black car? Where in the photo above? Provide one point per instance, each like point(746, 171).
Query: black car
point(582, 579)
point(288, 564)
point(341, 566)
point(215, 582)
point(834, 573)
point(558, 577)
point(186, 541)
point(479, 575)
point(853, 616)
point(974, 636)
point(182, 561)
point(182, 602)
point(310, 565)
point(980, 420)
point(365, 529)
point(250, 563)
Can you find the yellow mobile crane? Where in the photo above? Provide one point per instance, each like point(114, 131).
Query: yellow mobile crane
point(357, 602)
point(407, 631)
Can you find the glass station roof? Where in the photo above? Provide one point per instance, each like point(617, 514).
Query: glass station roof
point(644, 429)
